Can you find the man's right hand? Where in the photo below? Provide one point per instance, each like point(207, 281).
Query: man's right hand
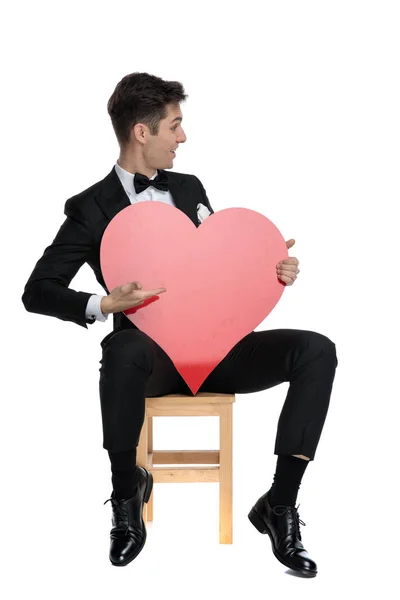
point(126, 296)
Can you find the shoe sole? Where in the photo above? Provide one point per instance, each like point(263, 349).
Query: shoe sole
point(147, 494)
point(262, 528)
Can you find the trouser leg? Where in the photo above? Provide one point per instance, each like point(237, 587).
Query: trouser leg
point(264, 359)
point(133, 366)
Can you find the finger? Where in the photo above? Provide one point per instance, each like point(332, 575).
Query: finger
point(290, 274)
point(288, 278)
point(292, 260)
point(288, 269)
point(155, 292)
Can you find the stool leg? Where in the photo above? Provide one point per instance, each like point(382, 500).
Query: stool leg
point(141, 457)
point(150, 447)
point(225, 475)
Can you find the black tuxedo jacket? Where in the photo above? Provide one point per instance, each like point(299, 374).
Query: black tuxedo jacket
point(78, 241)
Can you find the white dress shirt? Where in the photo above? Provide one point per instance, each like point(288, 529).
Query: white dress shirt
point(151, 193)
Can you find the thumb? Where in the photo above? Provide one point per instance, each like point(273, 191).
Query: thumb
point(290, 243)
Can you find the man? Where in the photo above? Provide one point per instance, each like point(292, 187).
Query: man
point(147, 120)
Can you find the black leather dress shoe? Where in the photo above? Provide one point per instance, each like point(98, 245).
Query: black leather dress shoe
point(128, 535)
point(282, 524)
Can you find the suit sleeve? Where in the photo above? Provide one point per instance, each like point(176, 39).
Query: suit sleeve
point(46, 291)
point(203, 192)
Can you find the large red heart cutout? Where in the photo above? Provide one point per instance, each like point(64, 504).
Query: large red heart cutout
point(220, 278)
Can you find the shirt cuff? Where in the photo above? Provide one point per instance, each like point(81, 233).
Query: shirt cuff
point(93, 308)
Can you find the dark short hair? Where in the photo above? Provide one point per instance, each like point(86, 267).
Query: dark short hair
point(142, 98)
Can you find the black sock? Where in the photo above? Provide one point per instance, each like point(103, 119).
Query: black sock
point(287, 479)
point(123, 468)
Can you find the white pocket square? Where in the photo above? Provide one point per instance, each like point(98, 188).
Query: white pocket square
point(202, 212)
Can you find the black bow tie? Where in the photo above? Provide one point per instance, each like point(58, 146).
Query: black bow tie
point(141, 182)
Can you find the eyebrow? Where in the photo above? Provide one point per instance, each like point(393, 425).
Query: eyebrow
point(176, 119)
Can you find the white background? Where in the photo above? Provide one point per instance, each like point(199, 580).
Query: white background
point(293, 111)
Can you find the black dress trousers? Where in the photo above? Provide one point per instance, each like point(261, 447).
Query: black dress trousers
point(133, 366)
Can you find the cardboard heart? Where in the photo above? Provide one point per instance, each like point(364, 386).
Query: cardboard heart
point(220, 278)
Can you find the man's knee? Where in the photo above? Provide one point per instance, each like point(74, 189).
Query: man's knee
point(317, 343)
point(130, 346)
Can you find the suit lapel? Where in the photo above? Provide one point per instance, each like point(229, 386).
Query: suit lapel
point(112, 197)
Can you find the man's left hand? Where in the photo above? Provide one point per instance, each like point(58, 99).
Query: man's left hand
point(287, 269)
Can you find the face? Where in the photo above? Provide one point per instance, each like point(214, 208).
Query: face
point(158, 150)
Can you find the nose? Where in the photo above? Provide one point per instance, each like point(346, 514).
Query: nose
point(182, 138)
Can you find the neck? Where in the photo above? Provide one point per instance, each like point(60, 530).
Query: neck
point(134, 164)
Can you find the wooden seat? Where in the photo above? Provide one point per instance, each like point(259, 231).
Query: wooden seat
point(219, 461)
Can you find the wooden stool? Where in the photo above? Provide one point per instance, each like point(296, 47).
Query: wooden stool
point(202, 404)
